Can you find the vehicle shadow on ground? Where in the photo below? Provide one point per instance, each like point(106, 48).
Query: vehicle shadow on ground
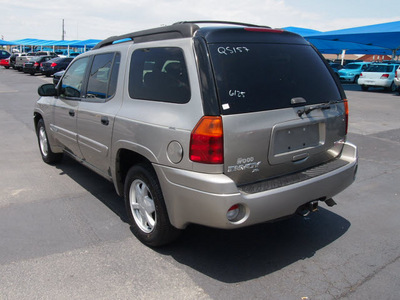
point(94, 184)
point(229, 255)
point(248, 253)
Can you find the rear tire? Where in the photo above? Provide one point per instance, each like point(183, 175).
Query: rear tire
point(48, 156)
point(393, 88)
point(364, 88)
point(146, 208)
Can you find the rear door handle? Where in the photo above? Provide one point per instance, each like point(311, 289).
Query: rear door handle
point(72, 113)
point(104, 120)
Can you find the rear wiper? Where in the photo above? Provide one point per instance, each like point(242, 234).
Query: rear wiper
point(321, 106)
point(306, 111)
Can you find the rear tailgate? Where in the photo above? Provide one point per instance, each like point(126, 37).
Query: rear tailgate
point(269, 144)
point(282, 110)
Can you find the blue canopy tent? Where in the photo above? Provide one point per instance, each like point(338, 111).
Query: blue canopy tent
point(86, 44)
point(382, 36)
point(6, 43)
point(337, 47)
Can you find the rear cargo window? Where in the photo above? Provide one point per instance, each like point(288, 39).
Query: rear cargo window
point(256, 77)
point(379, 68)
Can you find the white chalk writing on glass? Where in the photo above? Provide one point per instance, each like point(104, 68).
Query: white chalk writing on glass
point(232, 50)
point(238, 94)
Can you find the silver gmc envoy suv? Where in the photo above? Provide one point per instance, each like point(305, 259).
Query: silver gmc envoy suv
point(223, 124)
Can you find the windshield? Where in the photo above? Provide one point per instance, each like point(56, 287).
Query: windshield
point(255, 77)
point(352, 66)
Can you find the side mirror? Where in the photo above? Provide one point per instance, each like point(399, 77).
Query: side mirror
point(47, 90)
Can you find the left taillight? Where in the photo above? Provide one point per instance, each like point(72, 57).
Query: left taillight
point(36, 64)
point(207, 141)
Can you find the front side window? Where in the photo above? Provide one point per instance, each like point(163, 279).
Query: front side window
point(103, 76)
point(71, 86)
point(159, 74)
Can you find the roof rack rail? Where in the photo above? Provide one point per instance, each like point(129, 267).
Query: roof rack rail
point(220, 22)
point(174, 31)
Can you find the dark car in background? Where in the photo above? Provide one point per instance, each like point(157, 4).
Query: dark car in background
point(4, 54)
point(336, 67)
point(57, 76)
point(12, 59)
point(55, 65)
point(33, 65)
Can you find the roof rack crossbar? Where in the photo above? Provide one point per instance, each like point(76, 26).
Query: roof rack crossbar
point(165, 32)
point(220, 22)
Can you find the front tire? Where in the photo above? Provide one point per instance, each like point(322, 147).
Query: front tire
point(48, 156)
point(146, 208)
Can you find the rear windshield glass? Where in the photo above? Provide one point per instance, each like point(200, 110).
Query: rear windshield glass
point(352, 66)
point(255, 77)
point(379, 68)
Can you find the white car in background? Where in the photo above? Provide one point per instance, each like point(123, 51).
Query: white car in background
point(379, 75)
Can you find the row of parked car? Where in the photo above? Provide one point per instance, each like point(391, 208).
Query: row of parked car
point(44, 62)
point(368, 74)
point(365, 74)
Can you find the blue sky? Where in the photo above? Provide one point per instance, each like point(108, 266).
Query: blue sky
point(100, 19)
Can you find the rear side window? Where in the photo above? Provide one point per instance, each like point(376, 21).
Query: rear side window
point(103, 76)
point(379, 68)
point(254, 77)
point(159, 74)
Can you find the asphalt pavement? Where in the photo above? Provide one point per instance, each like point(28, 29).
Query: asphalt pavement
point(64, 235)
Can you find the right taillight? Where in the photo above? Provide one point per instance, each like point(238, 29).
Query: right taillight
point(207, 141)
point(346, 110)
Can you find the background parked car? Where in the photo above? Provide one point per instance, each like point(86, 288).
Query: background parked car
point(33, 65)
point(55, 65)
point(4, 54)
point(351, 72)
point(57, 76)
point(397, 79)
point(336, 67)
point(12, 59)
point(5, 62)
point(21, 60)
point(379, 75)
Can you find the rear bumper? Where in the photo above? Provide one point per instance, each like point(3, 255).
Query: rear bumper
point(375, 82)
point(204, 199)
